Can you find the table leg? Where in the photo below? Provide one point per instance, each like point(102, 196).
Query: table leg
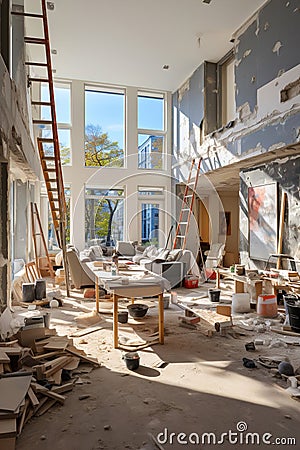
point(218, 276)
point(161, 318)
point(115, 320)
point(238, 286)
point(132, 300)
point(97, 294)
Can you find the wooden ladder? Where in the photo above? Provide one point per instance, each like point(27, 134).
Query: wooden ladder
point(187, 206)
point(37, 230)
point(48, 147)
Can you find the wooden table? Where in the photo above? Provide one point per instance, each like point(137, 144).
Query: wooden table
point(153, 286)
point(239, 281)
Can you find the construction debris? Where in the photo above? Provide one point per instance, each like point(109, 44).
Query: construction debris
point(34, 379)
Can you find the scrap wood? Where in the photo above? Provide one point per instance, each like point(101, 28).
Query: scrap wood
point(33, 398)
point(58, 343)
point(3, 357)
point(8, 343)
point(64, 388)
point(73, 364)
point(137, 347)
point(48, 355)
point(55, 396)
point(21, 423)
point(8, 428)
point(286, 332)
point(86, 331)
point(55, 378)
point(13, 391)
point(44, 408)
point(81, 354)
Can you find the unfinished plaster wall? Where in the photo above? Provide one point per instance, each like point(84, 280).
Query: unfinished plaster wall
point(286, 173)
point(3, 234)
point(230, 201)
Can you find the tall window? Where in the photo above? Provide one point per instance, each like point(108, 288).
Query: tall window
point(151, 200)
point(151, 130)
point(62, 93)
point(104, 127)
point(104, 216)
point(226, 89)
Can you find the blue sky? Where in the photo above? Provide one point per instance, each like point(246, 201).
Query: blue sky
point(106, 110)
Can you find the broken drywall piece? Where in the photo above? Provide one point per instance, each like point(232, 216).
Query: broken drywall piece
point(277, 47)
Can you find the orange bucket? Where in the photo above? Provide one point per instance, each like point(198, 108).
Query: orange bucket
point(267, 305)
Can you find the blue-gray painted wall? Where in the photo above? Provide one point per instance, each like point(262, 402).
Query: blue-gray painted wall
point(278, 21)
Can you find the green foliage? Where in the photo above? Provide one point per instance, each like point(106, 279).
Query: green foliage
point(99, 150)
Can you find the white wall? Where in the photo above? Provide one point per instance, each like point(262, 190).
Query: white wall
point(129, 177)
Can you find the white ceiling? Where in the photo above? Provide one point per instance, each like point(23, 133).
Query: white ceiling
point(127, 42)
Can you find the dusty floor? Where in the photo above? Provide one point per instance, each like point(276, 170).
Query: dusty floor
point(203, 387)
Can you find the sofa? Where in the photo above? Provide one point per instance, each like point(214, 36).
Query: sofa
point(173, 265)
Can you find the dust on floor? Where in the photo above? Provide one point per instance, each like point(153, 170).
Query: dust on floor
point(193, 385)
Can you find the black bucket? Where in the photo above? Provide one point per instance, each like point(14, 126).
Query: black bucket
point(132, 360)
point(214, 295)
point(292, 304)
point(123, 316)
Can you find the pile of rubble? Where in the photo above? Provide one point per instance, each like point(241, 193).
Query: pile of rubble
point(34, 378)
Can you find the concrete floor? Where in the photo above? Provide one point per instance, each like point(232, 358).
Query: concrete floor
point(203, 387)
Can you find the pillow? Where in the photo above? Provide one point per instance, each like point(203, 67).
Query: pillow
point(149, 250)
point(96, 252)
point(174, 255)
point(162, 256)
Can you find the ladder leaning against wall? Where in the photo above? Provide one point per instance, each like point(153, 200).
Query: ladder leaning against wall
point(48, 146)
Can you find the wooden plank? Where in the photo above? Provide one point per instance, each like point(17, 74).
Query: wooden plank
point(74, 351)
point(64, 361)
point(86, 331)
point(13, 391)
point(48, 404)
point(33, 398)
point(48, 355)
point(8, 428)
point(224, 310)
point(56, 377)
point(21, 423)
point(55, 396)
point(3, 357)
point(73, 364)
point(8, 343)
point(8, 443)
point(1, 368)
point(64, 388)
point(15, 351)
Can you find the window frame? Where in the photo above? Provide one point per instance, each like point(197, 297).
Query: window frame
point(221, 65)
point(91, 87)
point(153, 132)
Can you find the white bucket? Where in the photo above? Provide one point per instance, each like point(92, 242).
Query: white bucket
point(241, 303)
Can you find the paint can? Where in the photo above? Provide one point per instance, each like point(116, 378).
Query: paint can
point(267, 305)
point(28, 292)
point(40, 289)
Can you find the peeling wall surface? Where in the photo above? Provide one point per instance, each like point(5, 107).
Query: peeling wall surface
point(267, 61)
point(268, 48)
point(286, 174)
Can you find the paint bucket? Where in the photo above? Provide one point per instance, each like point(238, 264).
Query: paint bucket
point(28, 292)
point(40, 289)
point(214, 295)
point(267, 305)
point(123, 316)
point(292, 305)
point(241, 302)
point(132, 360)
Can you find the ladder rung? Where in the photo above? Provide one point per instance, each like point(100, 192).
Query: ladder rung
point(45, 122)
point(40, 80)
point(188, 196)
point(185, 209)
point(50, 169)
point(180, 237)
point(48, 158)
point(33, 40)
point(39, 64)
point(54, 209)
point(52, 189)
point(24, 14)
point(41, 103)
point(45, 139)
point(183, 223)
